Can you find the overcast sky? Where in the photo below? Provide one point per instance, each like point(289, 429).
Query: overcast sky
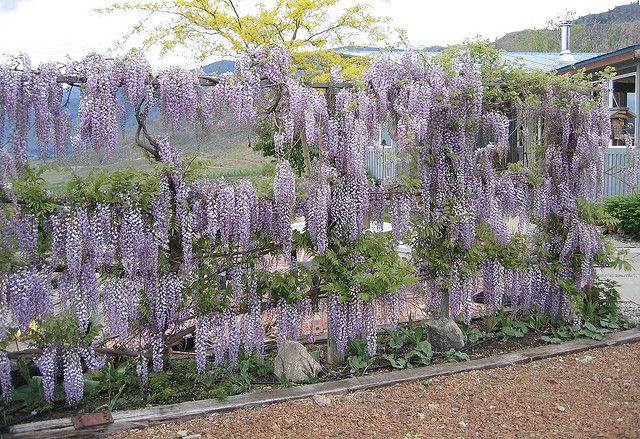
point(51, 30)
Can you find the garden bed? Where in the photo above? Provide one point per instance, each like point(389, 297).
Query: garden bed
point(127, 419)
point(180, 382)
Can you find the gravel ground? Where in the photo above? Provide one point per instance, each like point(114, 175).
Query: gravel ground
point(591, 394)
point(630, 311)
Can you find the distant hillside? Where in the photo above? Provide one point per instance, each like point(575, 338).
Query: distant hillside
point(602, 32)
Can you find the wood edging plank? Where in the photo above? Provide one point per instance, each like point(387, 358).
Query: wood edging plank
point(138, 418)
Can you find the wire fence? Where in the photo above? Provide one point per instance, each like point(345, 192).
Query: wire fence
point(383, 164)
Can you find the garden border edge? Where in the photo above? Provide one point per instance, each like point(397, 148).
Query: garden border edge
point(140, 418)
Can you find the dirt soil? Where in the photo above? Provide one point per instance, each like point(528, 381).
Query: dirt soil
point(591, 394)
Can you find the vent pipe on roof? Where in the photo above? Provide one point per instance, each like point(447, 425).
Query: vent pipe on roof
point(566, 57)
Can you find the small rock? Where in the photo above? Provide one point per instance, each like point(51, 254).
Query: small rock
point(433, 406)
point(321, 400)
point(561, 409)
point(552, 381)
point(463, 424)
point(421, 415)
point(585, 360)
point(294, 362)
point(181, 433)
point(444, 334)
point(193, 436)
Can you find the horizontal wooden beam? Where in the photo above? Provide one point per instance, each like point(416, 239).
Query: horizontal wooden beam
point(601, 63)
point(129, 419)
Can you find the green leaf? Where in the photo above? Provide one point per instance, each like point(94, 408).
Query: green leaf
point(551, 340)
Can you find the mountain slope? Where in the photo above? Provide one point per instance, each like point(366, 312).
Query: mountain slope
point(602, 32)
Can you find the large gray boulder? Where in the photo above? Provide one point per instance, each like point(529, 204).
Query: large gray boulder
point(294, 362)
point(444, 334)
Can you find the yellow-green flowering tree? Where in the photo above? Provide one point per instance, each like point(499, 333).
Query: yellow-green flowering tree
point(308, 28)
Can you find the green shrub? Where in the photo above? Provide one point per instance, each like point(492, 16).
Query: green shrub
point(626, 209)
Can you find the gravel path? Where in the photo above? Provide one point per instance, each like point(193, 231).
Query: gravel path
point(592, 394)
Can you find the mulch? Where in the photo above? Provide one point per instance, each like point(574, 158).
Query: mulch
point(592, 394)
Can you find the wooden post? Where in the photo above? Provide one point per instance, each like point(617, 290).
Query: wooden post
point(444, 305)
point(306, 155)
point(637, 109)
point(333, 356)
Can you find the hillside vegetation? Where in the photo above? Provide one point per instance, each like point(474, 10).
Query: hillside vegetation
point(601, 32)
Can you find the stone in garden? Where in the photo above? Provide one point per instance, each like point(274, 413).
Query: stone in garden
point(444, 334)
point(321, 400)
point(586, 359)
point(294, 362)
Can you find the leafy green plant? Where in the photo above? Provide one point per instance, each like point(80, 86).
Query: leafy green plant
point(397, 339)
point(474, 335)
point(421, 353)
point(289, 286)
point(513, 329)
point(407, 347)
point(600, 305)
point(379, 269)
point(397, 362)
point(568, 332)
point(538, 321)
point(113, 381)
point(454, 356)
point(358, 357)
point(626, 210)
point(589, 330)
point(293, 153)
point(181, 381)
point(29, 396)
point(551, 340)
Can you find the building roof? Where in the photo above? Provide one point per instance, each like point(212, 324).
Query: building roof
point(543, 60)
point(530, 60)
point(603, 59)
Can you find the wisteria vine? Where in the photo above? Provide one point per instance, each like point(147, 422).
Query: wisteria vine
point(170, 253)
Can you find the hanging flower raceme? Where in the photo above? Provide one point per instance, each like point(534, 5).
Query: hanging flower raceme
point(253, 334)
point(179, 89)
point(5, 377)
point(317, 205)
point(99, 108)
point(47, 96)
point(29, 296)
point(245, 202)
point(20, 103)
point(136, 76)
point(47, 364)
point(121, 299)
point(284, 195)
point(289, 317)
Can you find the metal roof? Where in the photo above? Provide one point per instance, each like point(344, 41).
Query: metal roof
point(598, 57)
point(547, 61)
point(543, 60)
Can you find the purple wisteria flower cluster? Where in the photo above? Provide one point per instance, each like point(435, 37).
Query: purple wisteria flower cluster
point(182, 253)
